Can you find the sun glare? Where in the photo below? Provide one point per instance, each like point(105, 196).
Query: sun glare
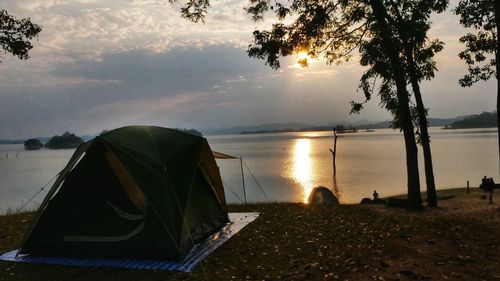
point(302, 56)
point(302, 60)
point(302, 170)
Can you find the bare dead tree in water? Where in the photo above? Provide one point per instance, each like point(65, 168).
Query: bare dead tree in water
point(334, 152)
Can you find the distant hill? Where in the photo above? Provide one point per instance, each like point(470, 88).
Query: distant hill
point(67, 140)
point(300, 127)
point(483, 120)
point(261, 127)
point(340, 129)
point(433, 122)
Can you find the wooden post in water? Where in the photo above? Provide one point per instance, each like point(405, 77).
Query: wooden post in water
point(243, 180)
point(334, 152)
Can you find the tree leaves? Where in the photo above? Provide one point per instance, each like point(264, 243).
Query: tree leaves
point(15, 35)
point(330, 28)
point(194, 10)
point(480, 48)
point(477, 14)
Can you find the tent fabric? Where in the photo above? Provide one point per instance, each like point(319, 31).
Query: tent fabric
point(219, 155)
point(195, 256)
point(134, 192)
point(322, 195)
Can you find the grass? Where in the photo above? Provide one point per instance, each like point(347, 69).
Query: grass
point(12, 230)
point(300, 242)
point(21, 210)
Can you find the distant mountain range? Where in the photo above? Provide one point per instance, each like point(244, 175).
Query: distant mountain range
point(433, 122)
point(300, 127)
point(482, 120)
point(261, 127)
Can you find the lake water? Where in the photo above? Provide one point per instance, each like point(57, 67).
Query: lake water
point(288, 165)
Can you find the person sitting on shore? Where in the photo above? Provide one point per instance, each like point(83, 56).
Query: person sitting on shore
point(484, 182)
point(490, 187)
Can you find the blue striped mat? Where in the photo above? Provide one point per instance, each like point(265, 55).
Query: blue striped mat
point(197, 254)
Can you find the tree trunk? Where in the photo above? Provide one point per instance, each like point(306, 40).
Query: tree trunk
point(497, 57)
point(422, 114)
point(423, 125)
point(425, 139)
point(414, 200)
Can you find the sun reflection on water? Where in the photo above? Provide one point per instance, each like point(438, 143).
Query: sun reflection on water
point(302, 166)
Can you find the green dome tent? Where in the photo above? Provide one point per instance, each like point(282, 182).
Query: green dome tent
point(134, 192)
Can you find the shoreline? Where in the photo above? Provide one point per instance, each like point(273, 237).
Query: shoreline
point(440, 192)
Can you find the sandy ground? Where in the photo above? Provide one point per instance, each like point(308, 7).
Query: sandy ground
point(459, 241)
point(462, 204)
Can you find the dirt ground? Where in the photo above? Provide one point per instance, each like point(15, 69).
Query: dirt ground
point(457, 241)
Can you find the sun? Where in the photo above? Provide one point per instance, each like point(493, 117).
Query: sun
point(302, 55)
point(303, 59)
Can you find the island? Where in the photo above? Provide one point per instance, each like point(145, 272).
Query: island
point(67, 140)
point(33, 144)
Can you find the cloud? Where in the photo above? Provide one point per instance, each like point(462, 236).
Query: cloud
point(187, 86)
point(102, 64)
point(88, 29)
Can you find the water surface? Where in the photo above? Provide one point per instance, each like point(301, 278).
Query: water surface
point(288, 165)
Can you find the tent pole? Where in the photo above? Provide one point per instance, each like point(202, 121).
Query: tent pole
point(243, 179)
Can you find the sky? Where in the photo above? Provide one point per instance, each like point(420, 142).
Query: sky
point(105, 64)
